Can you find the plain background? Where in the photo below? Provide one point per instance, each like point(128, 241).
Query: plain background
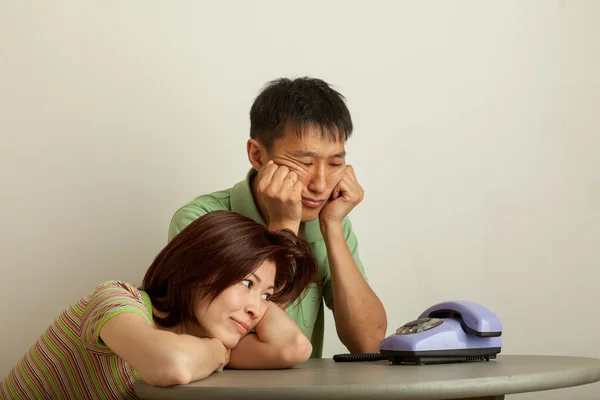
point(477, 141)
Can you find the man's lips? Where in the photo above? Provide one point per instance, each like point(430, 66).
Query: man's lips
point(312, 203)
point(242, 326)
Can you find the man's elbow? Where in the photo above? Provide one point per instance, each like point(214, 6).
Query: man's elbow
point(367, 342)
point(365, 346)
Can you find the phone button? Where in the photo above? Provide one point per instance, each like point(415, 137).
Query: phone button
point(418, 325)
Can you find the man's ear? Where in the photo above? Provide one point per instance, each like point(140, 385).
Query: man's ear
point(257, 154)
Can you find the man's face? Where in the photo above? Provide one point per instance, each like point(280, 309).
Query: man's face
point(319, 162)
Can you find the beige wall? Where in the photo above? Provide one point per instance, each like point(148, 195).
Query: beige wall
point(477, 141)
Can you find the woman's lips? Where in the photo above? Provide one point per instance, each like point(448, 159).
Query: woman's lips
point(242, 327)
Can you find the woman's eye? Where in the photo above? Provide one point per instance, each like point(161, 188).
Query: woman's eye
point(247, 283)
point(336, 165)
point(266, 296)
point(306, 164)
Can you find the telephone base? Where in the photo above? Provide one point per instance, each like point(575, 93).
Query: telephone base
point(440, 356)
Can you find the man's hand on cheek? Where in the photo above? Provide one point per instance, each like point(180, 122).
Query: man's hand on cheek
point(345, 196)
point(280, 191)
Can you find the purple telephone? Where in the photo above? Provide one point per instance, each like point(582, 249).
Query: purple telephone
point(451, 331)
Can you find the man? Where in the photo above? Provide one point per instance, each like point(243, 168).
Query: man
point(300, 181)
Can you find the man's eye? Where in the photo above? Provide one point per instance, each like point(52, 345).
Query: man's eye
point(306, 164)
point(335, 165)
point(247, 283)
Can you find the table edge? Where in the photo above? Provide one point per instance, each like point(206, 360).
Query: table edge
point(471, 387)
point(477, 387)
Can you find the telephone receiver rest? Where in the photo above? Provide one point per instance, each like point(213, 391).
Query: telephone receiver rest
point(474, 318)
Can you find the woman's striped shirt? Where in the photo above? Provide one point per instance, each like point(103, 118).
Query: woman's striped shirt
point(70, 361)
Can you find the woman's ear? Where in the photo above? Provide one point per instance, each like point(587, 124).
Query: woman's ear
point(257, 154)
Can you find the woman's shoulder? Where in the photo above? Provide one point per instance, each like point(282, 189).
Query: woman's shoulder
point(109, 299)
point(116, 289)
point(117, 285)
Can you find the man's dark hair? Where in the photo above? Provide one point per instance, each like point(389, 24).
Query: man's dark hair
point(298, 104)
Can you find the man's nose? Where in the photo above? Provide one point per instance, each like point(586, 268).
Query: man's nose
point(318, 181)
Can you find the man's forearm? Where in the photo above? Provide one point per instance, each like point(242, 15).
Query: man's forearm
point(360, 318)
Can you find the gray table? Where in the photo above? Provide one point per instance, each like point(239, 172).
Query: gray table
point(324, 378)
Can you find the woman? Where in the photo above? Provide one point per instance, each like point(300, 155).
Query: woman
point(212, 298)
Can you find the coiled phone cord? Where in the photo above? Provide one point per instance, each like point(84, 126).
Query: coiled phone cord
point(363, 357)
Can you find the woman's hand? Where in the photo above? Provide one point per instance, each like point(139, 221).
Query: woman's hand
point(220, 353)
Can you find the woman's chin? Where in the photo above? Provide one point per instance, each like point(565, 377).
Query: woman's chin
point(230, 341)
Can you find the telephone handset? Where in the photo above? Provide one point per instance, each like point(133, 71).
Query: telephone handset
point(446, 332)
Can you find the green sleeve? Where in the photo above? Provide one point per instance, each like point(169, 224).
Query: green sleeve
point(352, 242)
point(183, 217)
point(190, 212)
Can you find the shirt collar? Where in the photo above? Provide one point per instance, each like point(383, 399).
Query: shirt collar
point(242, 201)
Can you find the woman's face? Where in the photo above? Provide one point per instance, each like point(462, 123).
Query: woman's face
point(237, 310)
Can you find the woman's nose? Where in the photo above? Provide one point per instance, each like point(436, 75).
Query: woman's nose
point(253, 307)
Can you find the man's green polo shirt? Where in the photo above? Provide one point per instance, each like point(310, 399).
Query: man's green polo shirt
point(307, 313)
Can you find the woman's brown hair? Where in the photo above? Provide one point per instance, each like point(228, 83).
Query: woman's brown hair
point(216, 251)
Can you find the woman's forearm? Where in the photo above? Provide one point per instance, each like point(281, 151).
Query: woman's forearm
point(276, 327)
point(162, 358)
point(277, 343)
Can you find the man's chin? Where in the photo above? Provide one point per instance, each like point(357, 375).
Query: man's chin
point(310, 214)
